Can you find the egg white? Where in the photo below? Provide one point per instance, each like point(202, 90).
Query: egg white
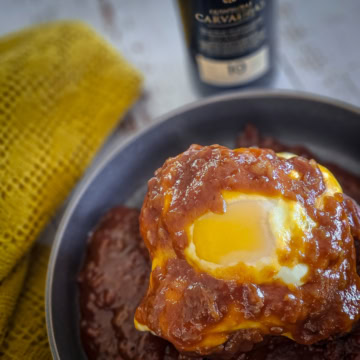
point(285, 217)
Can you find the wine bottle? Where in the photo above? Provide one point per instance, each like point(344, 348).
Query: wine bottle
point(230, 42)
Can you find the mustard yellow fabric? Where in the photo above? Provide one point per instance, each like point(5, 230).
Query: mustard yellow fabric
point(26, 337)
point(62, 91)
point(9, 291)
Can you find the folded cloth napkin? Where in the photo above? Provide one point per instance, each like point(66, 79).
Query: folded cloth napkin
point(62, 91)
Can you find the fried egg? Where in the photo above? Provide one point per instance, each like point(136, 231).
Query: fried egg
point(250, 238)
point(244, 242)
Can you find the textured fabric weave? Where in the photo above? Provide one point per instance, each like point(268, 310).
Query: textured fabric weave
point(27, 337)
point(9, 291)
point(62, 90)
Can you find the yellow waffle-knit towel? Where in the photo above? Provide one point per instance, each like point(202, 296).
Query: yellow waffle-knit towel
point(62, 90)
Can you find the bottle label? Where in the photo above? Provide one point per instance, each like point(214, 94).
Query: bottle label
point(230, 40)
point(233, 72)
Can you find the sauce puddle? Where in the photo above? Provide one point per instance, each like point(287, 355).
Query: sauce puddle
point(115, 274)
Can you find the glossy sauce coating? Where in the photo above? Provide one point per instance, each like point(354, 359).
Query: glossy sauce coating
point(185, 305)
point(117, 235)
point(111, 284)
point(251, 136)
point(118, 340)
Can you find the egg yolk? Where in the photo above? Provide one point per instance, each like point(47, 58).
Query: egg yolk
point(242, 233)
point(259, 242)
point(243, 241)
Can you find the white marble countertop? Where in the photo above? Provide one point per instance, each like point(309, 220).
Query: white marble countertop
point(318, 48)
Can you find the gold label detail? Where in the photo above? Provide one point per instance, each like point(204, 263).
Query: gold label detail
point(233, 72)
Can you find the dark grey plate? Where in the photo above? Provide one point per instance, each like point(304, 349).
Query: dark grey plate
point(329, 128)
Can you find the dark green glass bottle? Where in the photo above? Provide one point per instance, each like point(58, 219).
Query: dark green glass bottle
point(230, 42)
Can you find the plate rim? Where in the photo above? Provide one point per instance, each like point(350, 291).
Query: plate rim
point(92, 172)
